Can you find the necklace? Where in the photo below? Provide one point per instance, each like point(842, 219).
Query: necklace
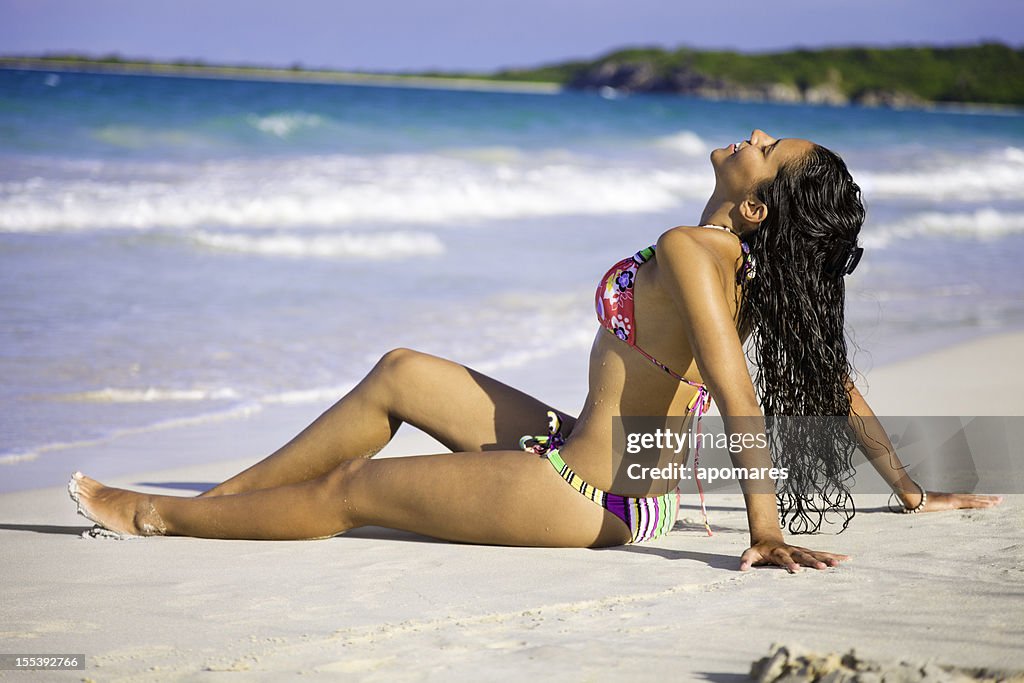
point(722, 227)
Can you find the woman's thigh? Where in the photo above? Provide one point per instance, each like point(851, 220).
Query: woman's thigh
point(498, 498)
point(463, 409)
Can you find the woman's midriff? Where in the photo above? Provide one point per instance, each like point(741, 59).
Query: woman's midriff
point(588, 449)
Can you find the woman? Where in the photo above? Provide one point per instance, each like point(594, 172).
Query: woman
point(778, 235)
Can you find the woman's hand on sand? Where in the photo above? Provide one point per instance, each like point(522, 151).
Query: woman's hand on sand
point(789, 557)
point(938, 501)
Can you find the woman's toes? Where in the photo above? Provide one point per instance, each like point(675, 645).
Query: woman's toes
point(125, 512)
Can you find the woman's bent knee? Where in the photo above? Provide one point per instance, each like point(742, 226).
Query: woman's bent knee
point(402, 373)
point(401, 364)
point(392, 371)
point(395, 357)
point(401, 359)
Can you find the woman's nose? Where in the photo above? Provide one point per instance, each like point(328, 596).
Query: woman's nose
point(759, 137)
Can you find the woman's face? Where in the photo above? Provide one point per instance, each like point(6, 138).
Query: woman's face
point(742, 166)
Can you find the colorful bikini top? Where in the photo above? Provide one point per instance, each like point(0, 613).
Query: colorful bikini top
point(614, 303)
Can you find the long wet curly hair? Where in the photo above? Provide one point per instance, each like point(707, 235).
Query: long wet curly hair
point(794, 309)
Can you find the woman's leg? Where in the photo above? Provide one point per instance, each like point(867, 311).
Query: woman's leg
point(461, 408)
point(497, 497)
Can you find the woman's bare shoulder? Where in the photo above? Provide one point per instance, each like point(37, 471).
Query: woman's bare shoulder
point(693, 245)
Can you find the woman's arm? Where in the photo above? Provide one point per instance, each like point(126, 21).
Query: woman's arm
point(880, 452)
point(697, 283)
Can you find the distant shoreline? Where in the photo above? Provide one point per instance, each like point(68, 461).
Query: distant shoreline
point(254, 73)
point(480, 83)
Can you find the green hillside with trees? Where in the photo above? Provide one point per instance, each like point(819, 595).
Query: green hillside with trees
point(990, 73)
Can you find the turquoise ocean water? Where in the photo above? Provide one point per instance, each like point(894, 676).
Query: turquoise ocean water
point(177, 250)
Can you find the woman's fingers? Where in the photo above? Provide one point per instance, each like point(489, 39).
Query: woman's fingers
point(816, 559)
point(976, 501)
point(833, 559)
point(749, 558)
point(789, 557)
point(938, 501)
point(809, 559)
point(783, 558)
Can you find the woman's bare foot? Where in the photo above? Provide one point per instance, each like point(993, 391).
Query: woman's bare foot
point(125, 512)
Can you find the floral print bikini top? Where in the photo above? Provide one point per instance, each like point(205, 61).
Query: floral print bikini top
point(614, 304)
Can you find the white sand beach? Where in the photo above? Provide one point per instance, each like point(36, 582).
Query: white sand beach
point(379, 605)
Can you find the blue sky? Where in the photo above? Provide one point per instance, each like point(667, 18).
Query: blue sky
point(387, 35)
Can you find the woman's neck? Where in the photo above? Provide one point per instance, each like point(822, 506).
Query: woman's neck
point(724, 213)
point(718, 213)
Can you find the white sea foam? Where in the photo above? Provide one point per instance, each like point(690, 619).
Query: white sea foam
point(335, 191)
point(19, 456)
point(284, 124)
point(1014, 155)
point(239, 411)
point(436, 189)
point(248, 408)
point(150, 395)
point(313, 395)
point(996, 175)
point(685, 142)
point(985, 223)
point(567, 340)
point(386, 245)
point(499, 154)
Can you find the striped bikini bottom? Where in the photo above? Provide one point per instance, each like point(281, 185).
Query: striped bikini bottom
point(647, 518)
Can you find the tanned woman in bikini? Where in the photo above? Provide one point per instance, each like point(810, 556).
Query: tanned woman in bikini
point(764, 265)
